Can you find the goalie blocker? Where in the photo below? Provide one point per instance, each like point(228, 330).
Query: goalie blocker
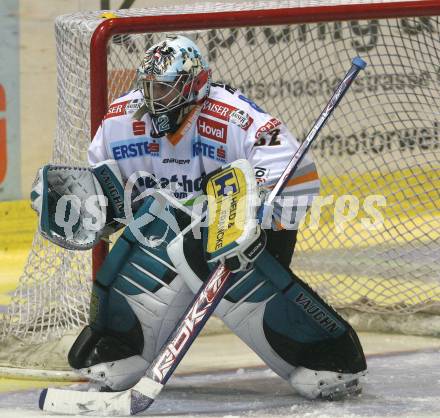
point(141, 293)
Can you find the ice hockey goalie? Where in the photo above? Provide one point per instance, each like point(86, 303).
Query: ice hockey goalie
point(148, 162)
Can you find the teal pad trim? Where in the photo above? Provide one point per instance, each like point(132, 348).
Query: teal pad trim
point(154, 228)
point(131, 281)
point(301, 318)
point(247, 285)
point(294, 311)
point(155, 267)
point(114, 262)
point(318, 314)
point(110, 311)
point(266, 270)
point(273, 271)
point(121, 317)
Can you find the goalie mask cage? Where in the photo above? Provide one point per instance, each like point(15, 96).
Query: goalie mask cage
point(383, 140)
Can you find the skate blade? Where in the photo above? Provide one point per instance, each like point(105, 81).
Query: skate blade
point(341, 391)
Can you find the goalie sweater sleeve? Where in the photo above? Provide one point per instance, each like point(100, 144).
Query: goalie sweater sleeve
point(97, 150)
point(269, 148)
point(114, 125)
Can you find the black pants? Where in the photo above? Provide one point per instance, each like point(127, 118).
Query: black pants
point(280, 244)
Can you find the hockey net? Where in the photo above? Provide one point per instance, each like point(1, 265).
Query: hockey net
point(383, 140)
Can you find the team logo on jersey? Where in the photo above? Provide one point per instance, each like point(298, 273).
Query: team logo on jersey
point(241, 118)
point(217, 109)
point(138, 127)
point(116, 109)
point(154, 148)
point(134, 106)
point(227, 113)
point(136, 147)
point(267, 127)
point(209, 149)
point(221, 154)
point(212, 129)
point(182, 185)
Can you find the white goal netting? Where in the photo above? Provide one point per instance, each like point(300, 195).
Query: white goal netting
point(383, 143)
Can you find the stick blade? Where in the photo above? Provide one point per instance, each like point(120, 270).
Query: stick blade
point(139, 402)
point(74, 402)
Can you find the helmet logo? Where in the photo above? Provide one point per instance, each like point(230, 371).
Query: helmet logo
point(158, 60)
point(173, 75)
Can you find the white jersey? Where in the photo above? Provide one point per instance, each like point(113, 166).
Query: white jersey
point(227, 126)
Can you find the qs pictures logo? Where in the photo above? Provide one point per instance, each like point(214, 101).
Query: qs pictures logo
point(3, 154)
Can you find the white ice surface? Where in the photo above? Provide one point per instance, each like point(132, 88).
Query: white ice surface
point(405, 385)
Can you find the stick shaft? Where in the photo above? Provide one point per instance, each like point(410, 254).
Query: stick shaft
point(192, 322)
point(357, 65)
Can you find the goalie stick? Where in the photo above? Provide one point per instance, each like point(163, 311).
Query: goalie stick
point(142, 395)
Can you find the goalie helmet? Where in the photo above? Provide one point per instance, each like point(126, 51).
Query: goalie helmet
point(173, 77)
